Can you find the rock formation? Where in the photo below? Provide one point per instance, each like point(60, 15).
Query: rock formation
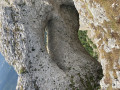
point(64, 64)
point(102, 19)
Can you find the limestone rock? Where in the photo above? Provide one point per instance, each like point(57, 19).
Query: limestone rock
point(102, 19)
point(67, 66)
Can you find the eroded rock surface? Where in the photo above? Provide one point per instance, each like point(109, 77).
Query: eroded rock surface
point(102, 19)
point(67, 66)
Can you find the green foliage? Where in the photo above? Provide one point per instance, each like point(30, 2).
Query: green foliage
point(89, 83)
point(87, 43)
point(72, 84)
point(22, 70)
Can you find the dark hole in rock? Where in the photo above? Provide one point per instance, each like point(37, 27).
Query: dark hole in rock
point(33, 49)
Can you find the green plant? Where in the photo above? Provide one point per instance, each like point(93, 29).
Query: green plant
point(72, 83)
point(87, 43)
point(89, 82)
point(22, 70)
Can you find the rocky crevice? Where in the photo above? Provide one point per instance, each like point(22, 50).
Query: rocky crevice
point(66, 66)
point(101, 19)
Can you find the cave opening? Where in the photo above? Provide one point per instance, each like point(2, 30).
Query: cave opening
point(63, 40)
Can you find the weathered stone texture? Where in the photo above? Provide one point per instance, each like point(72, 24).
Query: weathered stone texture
point(102, 19)
point(22, 42)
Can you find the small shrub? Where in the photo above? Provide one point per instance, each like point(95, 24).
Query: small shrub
point(87, 43)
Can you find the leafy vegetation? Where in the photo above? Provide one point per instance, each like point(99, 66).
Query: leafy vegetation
point(72, 84)
point(89, 82)
point(87, 43)
point(22, 70)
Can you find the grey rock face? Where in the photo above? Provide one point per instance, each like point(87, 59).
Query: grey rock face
point(66, 66)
